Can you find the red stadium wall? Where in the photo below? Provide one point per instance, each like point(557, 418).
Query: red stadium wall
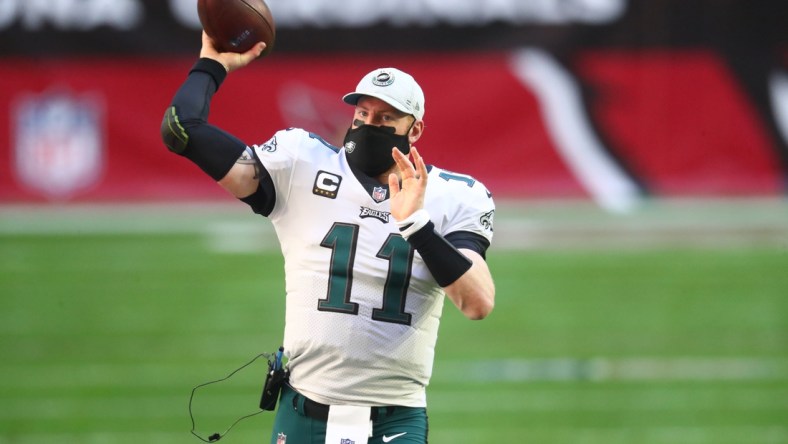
point(678, 121)
point(606, 99)
point(683, 123)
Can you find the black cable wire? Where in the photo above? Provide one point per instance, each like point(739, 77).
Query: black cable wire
point(217, 436)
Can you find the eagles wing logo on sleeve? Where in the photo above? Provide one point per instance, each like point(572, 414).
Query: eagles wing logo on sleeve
point(269, 146)
point(487, 220)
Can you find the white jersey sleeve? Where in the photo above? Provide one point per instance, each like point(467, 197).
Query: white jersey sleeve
point(459, 203)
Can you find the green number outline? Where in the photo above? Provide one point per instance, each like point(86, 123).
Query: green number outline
point(342, 239)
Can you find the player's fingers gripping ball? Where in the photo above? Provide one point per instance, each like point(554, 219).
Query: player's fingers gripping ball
point(237, 25)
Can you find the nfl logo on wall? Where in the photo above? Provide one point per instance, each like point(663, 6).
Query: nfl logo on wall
point(58, 144)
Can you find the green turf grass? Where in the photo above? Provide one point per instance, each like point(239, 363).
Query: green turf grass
point(102, 338)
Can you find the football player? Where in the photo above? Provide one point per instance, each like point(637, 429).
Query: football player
point(372, 242)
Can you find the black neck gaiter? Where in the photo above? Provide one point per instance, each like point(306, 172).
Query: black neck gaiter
point(368, 148)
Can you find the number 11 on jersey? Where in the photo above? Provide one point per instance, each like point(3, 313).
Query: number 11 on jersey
point(342, 239)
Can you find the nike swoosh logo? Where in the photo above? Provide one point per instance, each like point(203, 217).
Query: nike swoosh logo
point(393, 437)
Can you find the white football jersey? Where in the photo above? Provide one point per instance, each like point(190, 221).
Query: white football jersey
point(362, 310)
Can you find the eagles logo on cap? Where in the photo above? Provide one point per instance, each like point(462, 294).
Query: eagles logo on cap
point(383, 78)
point(397, 88)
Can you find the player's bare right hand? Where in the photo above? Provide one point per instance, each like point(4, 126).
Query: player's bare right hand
point(407, 196)
point(230, 60)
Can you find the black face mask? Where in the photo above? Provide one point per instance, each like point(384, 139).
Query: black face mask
point(368, 148)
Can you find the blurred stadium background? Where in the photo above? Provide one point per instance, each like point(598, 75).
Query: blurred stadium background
point(638, 151)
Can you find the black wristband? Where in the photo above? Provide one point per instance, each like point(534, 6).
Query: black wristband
point(211, 67)
point(445, 262)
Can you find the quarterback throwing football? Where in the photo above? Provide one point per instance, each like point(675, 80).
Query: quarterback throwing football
point(372, 242)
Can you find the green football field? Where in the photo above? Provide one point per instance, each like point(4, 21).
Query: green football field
point(668, 325)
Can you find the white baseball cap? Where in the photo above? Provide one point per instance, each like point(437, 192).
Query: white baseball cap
point(397, 88)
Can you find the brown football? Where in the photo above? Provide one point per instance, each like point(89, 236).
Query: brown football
point(236, 25)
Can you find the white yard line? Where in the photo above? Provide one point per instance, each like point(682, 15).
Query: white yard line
point(519, 225)
point(603, 369)
point(488, 371)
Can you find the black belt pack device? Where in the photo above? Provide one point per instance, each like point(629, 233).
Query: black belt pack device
point(277, 375)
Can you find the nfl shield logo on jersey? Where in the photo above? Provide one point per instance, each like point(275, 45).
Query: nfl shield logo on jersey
point(379, 194)
point(58, 146)
point(281, 438)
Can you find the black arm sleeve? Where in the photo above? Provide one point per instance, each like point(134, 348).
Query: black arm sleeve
point(445, 262)
point(470, 241)
point(185, 129)
point(262, 201)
